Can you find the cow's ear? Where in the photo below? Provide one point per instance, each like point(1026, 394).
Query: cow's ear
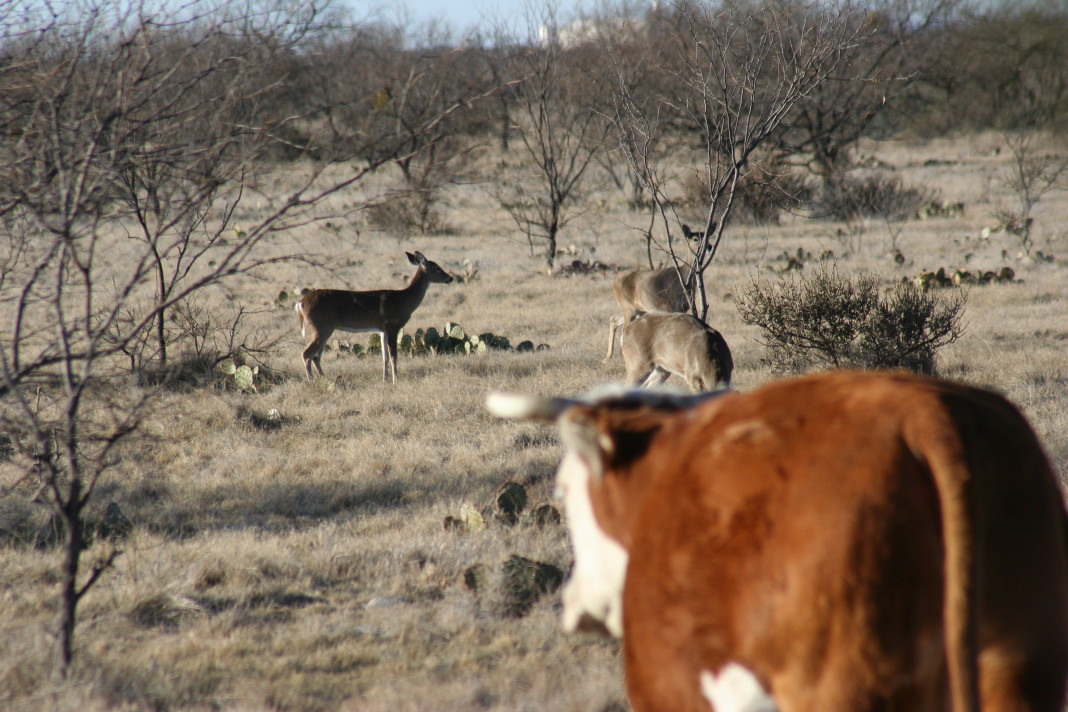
point(584, 434)
point(607, 434)
point(610, 436)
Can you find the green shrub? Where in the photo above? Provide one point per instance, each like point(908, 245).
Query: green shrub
point(821, 320)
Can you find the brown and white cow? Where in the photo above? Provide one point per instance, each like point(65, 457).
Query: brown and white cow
point(836, 542)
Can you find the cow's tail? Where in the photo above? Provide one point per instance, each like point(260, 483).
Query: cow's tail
point(956, 488)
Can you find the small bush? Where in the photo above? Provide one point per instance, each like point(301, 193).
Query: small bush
point(763, 192)
point(412, 212)
point(879, 196)
point(825, 320)
point(767, 190)
point(908, 327)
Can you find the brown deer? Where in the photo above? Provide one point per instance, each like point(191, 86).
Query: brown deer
point(642, 290)
point(656, 346)
point(323, 311)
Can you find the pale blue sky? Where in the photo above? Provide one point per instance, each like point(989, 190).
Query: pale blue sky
point(461, 14)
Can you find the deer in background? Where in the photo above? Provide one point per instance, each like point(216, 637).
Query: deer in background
point(656, 346)
point(323, 311)
point(693, 235)
point(642, 290)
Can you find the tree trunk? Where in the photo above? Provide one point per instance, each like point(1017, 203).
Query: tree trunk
point(161, 316)
point(550, 250)
point(74, 544)
point(832, 171)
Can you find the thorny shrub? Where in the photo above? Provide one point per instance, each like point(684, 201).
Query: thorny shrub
point(878, 195)
point(822, 319)
point(416, 211)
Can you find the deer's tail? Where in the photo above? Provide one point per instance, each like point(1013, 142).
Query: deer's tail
point(299, 309)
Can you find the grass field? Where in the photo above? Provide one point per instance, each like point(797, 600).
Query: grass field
point(297, 559)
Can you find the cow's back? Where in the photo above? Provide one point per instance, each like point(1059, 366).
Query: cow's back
point(799, 531)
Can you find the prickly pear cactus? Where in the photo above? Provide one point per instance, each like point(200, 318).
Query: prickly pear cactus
point(497, 343)
point(510, 499)
point(244, 378)
point(472, 518)
point(452, 339)
point(543, 515)
point(522, 582)
point(241, 377)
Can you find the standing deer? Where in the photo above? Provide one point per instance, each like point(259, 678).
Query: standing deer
point(656, 346)
point(642, 290)
point(323, 311)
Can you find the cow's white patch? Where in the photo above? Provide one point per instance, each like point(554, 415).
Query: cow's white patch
point(595, 589)
point(735, 689)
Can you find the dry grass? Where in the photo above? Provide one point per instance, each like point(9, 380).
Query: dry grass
point(301, 563)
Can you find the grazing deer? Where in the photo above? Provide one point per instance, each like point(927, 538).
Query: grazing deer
point(323, 311)
point(642, 290)
point(692, 235)
point(658, 345)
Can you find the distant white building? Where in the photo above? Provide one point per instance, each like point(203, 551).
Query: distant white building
point(585, 29)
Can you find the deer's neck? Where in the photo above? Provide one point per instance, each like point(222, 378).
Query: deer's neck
point(412, 295)
point(418, 284)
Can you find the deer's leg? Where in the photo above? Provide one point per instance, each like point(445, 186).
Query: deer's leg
point(637, 381)
point(389, 354)
point(614, 323)
point(638, 369)
point(655, 377)
point(313, 352)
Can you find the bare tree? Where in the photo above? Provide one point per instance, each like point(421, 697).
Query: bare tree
point(386, 93)
point(129, 138)
point(869, 79)
point(557, 126)
point(1032, 175)
point(998, 61)
point(192, 113)
point(502, 102)
point(729, 78)
point(1030, 100)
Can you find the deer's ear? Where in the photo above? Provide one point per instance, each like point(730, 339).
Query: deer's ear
point(412, 258)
